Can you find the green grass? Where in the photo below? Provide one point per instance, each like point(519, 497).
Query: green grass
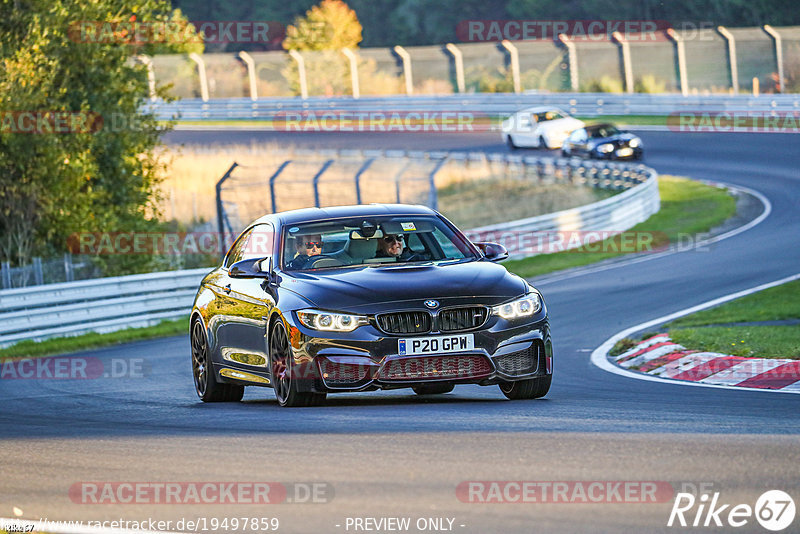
point(748, 341)
point(61, 345)
point(628, 120)
point(687, 207)
point(773, 304)
point(763, 341)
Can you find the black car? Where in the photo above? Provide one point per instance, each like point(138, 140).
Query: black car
point(602, 141)
point(351, 317)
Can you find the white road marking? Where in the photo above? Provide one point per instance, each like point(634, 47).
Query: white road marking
point(600, 359)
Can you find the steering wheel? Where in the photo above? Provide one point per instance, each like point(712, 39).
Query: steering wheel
point(319, 260)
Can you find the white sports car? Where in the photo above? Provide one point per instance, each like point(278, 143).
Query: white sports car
point(540, 127)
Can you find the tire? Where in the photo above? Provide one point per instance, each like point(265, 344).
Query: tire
point(527, 389)
point(433, 389)
point(205, 380)
point(510, 143)
point(543, 143)
point(280, 364)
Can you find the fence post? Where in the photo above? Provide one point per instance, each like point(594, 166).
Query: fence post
point(201, 71)
point(69, 269)
point(680, 55)
point(772, 32)
point(572, 59)
point(732, 65)
point(272, 184)
point(5, 270)
point(514, 53)
point(315, 180)
point(400, 51)
point(353, 59)
point(147, 61)
point(458, 59)
point(251, 74)
point(38, 275)
point(433, 196)
point(627, 70)
point(220, 214)
point(301, 69)
point(357, 178)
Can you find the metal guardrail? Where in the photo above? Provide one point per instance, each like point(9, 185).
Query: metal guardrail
point(109, 304)
point(100, 305)
point(480, 104)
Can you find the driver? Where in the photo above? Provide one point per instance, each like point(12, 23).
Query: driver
point(306, 247)
point(393, 246)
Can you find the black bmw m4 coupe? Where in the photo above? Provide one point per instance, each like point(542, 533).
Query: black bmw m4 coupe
point(359, 298)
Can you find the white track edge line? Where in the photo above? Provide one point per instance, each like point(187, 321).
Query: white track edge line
point(600, 354)
point(634, 260)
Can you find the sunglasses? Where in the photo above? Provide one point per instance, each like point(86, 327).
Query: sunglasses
point(392, 238)
point(314, 244)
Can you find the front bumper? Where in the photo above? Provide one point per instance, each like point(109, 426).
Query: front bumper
point(368, 359)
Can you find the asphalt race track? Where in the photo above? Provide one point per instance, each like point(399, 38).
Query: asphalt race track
point(394, 454)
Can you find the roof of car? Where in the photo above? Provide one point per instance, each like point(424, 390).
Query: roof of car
point(542, 109)
point(336, 212)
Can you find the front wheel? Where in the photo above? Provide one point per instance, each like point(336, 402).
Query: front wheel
point(205, 381)
point(510, 143)
point(281, 367)
point(533, 388)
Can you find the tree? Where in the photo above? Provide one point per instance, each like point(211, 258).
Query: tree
point(100, 173)
point(329, 26)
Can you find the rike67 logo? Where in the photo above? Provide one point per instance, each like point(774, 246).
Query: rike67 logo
point(774, 510)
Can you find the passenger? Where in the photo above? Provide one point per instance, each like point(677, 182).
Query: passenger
point(306, 247)
point(393, 246)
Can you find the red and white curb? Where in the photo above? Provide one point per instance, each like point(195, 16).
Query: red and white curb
point(659, 359)
point(660, 356)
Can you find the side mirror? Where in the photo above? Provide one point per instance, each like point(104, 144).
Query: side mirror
point(251, 268)
point(493, 251)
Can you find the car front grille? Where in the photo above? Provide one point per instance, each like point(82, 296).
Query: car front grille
point(521, 362)
point(410, 322)
point(437, 367)
point(466, 318)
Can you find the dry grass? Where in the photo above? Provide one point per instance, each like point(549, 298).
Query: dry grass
point(472, 193)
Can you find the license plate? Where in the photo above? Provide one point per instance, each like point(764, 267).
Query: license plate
point(436, 344)
point(627, 151)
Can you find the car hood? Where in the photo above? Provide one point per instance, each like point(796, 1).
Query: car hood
point(622, 136)
point(370, 289)
point(567, 123)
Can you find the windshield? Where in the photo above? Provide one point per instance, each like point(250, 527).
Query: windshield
point(603, 130)
point(548, 116)
point(373, 241)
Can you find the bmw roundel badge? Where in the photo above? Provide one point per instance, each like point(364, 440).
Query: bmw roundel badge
point(432, 303)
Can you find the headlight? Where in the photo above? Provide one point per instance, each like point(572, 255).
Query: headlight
point(605, 148)
point(522, 307)
point(329, 321)
point(635, 142)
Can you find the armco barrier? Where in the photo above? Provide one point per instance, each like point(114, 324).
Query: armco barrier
point(100, 305)
point(585, 104)
point(109, 304)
